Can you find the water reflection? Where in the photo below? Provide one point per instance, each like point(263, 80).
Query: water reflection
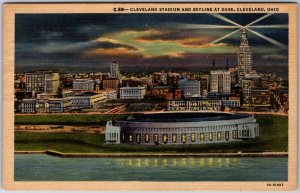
point(219, 162)
point(210, 162)
point(178, 162)
point(50, 168)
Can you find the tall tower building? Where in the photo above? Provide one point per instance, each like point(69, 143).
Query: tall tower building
point(115, 70)
point(244, 57)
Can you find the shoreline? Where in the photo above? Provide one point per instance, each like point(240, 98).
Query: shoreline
point(150, 112)
point(155, 155)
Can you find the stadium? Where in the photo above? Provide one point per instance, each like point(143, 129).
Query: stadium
point(182, 128)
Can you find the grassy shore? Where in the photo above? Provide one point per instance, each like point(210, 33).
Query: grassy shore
point(273, 137)
point(67, 119)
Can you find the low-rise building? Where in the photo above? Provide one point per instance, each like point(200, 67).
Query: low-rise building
point(46, 95)
point(53, 105)
point(161, 92)
point(83, 84)
point(67, 93)
point(59, 105)
point(231, 102)
point(87, 100)
point(173, 78)
point(111, 95)
point(112, 133)
point(194, 104)
point(260, 98)
point(132, 92)
point(160, 78)
point(178, 94)
point(282, 98)
point(111, 84)
point(28, 106)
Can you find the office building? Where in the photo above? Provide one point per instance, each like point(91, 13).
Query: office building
point(42, 81)
point(88, 100)
point(111, 84)
point(83, 84)
point(161, 92)
point(220, 82)
point(115, 70)
point(247, 88)
point(190, 88)
point(232, 102)
point(28, 106)
point(160, 78)
point(132, 92)
point(260, 98)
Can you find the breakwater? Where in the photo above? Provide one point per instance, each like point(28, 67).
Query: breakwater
point(154, 155)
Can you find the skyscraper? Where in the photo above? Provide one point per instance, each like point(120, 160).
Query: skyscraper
point(244, 57)
point(220, 82)
point(115, 70)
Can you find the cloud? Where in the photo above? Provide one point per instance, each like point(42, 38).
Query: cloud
point(139, 40)
point(51, 36)
point(87, 29)
point(68, 47)
point(160, 42)
point(275, 57)
point(176, 54)
point(112, 51)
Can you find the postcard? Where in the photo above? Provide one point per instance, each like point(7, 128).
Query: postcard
point(150, 96)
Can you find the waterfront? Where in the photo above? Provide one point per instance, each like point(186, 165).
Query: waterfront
point(41, 167)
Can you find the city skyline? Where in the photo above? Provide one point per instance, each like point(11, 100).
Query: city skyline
point(89, 42)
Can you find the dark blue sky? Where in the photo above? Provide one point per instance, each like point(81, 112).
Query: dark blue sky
point(88, 42)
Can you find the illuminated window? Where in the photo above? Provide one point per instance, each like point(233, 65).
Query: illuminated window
point(130, 137)
point(193, 138)
point(234, 134)
point(202, 137)
point(219, 136)
point(138, 138)
point(147, 138)
point(155, 136)
point(123, 138)
point(226, 135)
point(210, 136)
point(165, 138)
point(183, 138)
point(174, 138)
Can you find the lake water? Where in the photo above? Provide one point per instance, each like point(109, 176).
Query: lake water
point(41, 167)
